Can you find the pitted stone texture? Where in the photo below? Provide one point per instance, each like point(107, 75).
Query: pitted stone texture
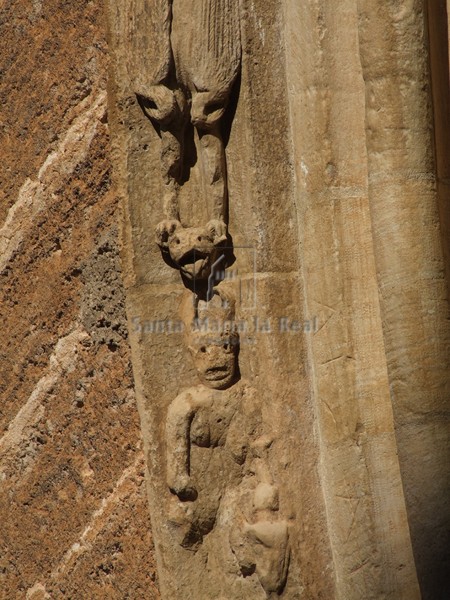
point(75, 516)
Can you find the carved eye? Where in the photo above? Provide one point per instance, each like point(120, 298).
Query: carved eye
point(149, 104)
point(177, 240)
point(203, 349)
point(225, 346)
point(210, 108)
point(199, 238)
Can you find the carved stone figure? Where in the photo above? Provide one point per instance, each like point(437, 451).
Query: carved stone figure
point(192, 250)
point(259, 537)
point(189, 85)
point(217, 459)
point(206, 445)
point(224, 503)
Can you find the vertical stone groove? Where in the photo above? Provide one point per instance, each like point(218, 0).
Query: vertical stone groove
point(410, 268)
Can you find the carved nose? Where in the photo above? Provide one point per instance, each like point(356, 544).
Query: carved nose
point(198, 117)
point(158, 102)
point(205, 110)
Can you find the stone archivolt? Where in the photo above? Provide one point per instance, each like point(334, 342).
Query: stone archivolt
point(309, 462)
point(216, 451)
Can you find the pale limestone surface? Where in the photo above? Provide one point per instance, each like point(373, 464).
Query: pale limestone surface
point(336, 219)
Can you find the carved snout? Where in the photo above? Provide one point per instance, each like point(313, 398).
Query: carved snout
point(191, 249)
point(159, 103)
point(207, 109)
point(188, 241)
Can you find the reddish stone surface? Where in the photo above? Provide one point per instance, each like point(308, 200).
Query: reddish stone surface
point(75, 521)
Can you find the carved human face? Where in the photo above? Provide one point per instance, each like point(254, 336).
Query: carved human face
point(215, 359)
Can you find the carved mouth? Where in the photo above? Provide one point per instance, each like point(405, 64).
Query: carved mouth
point(216, 373)
point(193, 262)
point(192, 257)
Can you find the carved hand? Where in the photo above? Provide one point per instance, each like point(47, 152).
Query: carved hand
point(164, 230)
point(218, 231)
point(181, 486)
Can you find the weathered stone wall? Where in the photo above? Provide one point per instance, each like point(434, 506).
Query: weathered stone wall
point(74, 512)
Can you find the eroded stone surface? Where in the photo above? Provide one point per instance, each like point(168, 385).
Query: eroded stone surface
point(71, 492)
point(328, 114)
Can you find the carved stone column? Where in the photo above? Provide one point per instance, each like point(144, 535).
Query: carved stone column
point(367, 517)
point(409, 207)
point(250, 521)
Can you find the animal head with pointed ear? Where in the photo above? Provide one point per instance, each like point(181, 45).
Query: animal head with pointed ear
point(208, 108)
point(192, 250)
point(160, 103)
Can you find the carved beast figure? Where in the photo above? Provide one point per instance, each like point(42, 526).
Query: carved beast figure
point(186, 56)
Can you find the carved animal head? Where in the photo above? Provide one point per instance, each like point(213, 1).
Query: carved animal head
point(208, 108)
point(160, 103)
point(192, 250)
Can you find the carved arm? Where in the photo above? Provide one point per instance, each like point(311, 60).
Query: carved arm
point(179, 418)
point(180, 415)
